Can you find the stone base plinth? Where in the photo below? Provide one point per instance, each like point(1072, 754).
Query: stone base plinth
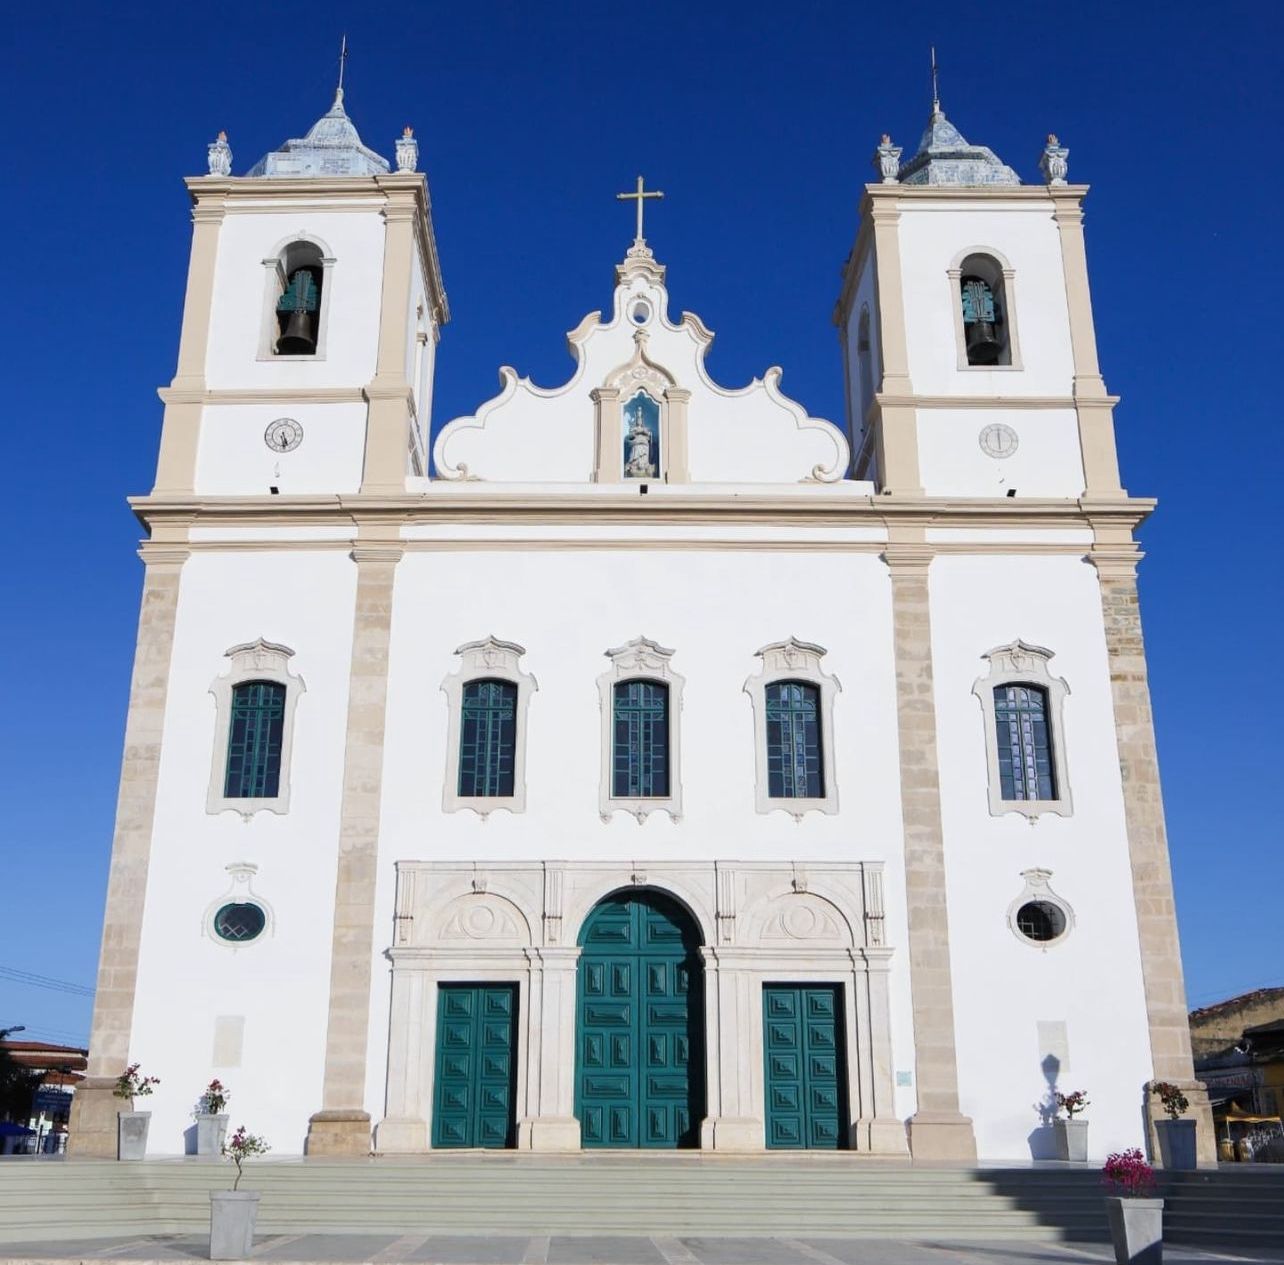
point(880, 1135)
point(92, 1130)
point(733, 1133)
point(338, 1133)
point(548, 1133)
point(399, 1135)
point(941, 1136)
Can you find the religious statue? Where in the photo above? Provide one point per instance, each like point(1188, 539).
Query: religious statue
point(639, 464)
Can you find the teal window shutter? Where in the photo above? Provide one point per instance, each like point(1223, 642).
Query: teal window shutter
point(1024, 742)
point(488, 738)
point(795, 761)
point(254, 741)
point(640, 747)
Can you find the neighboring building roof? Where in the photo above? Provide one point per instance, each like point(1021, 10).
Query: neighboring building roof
point(1240, 1001)
point(946, 158)
point(332, 147)
point(44, 1055)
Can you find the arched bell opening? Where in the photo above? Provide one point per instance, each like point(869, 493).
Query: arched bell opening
point(301, 274)
point(983, 301)
point(639, 1045)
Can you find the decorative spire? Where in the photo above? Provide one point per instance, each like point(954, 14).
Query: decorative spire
point(945, 157)
point(1055, 161)
point(407, 150)
point(936, 88)
point(220, 156)
point(887, 160)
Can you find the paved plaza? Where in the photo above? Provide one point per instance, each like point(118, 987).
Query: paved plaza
point(439, 1249)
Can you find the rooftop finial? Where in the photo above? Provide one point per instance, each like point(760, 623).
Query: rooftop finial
point(936, 92)
point(343, 61)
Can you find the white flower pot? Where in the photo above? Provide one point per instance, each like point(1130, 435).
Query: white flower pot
point(1176, 1144)
point(131, 1134)
point(1072, 1140)
point(1137, 1230)
point(232, 1217)
point(210, 1132)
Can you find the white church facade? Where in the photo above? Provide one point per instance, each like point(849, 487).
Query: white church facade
point(640, 762)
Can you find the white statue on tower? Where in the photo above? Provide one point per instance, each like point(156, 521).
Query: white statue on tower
point(639, 464)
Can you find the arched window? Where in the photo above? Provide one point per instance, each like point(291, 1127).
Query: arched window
point(795, 760)
point(294, 322)
point(254, 741)
point(1024, 739)
point(488, 739)
point(865, 369)
point(983, 305)
point(640, 748)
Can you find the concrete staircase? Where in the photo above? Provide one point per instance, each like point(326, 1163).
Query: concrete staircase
point(503, 1193)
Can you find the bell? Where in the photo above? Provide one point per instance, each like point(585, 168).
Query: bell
point(983, 345)
point(297, 339)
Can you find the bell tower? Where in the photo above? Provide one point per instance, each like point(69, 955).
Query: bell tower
point(966, 327)
point(313, 309)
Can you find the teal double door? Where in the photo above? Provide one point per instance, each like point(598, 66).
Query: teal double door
point(806, 1071)
point(639, 1076)
point(476, 1068)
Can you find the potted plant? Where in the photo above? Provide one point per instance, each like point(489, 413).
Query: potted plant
point(1176, 1136)
point(233, 1212)
point(131, 1125)
point(1072, 1134)
point(211, 1123)
point(1136, 1216)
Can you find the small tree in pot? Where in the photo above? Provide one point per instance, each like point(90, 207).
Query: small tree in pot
point(211, 1123)
point(1136, 1216)
point(1176, 1136)
point(1072, 1134)
point(131, 1125)
point(233, 1212)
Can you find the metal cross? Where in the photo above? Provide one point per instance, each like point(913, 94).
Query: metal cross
point(638, 197)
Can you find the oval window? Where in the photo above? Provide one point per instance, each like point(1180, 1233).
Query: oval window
point(1041, 921)
point(640, 312)
point(240, 922)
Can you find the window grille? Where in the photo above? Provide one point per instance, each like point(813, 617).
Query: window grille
point(640, 752)
point(795, 767)
point(254, 741)
point(239, 922)
point(488, 738)
point(1024, 743)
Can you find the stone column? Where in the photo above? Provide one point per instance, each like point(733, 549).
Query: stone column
point(1093, 407)
point(405, 1126)
point(675, 443)
point(184, 397)
point(938, 1130)
point(1152, 884)
point(550, 1123)
point(878, 1129)
point(390, 396)
point(342, 1126)
point(733, 1031)
point(610, 438)
point(896, 420)
point(92, 1129)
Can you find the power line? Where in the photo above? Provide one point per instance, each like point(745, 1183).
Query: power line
point(44, 981)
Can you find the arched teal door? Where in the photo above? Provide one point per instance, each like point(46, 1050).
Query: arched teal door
point(639, 1049)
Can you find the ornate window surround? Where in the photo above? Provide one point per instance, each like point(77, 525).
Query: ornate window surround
point(643, 659)
point(1019, 663)
point(1005, 275)
point(275, 279)
point(241, 891)
point(257, 660)
point(793, 660)
point(1036, 889)
point(640, 373)
point(489, 659)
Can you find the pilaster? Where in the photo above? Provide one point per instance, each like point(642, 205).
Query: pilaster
point(550, 1123)
point(342, 1126)
point(608, 467)
point(1161, 968)
point(676, 468)
point(937, 1130)
point(93, 1114)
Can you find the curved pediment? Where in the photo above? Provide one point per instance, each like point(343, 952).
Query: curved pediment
point(579, 432)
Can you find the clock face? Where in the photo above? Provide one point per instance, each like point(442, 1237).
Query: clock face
point(998, 440)
point(283, 435)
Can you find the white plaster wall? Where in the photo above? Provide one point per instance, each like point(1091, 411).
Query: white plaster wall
point(931, 236)
point(232, 456)
point(354, 238)
point(1047, 462)
point(864, 297)
point(279, 983)
point(1002, 986)
point(567, 607)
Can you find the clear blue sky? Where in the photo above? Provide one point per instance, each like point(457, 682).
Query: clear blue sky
point(758, 121)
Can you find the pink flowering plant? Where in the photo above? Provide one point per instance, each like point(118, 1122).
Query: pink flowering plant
point(1073, 1103)
point(215, 1097)
point(1173, 1101)
point(130, 1085)
point(1127, 1174)
point(240, 1146)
